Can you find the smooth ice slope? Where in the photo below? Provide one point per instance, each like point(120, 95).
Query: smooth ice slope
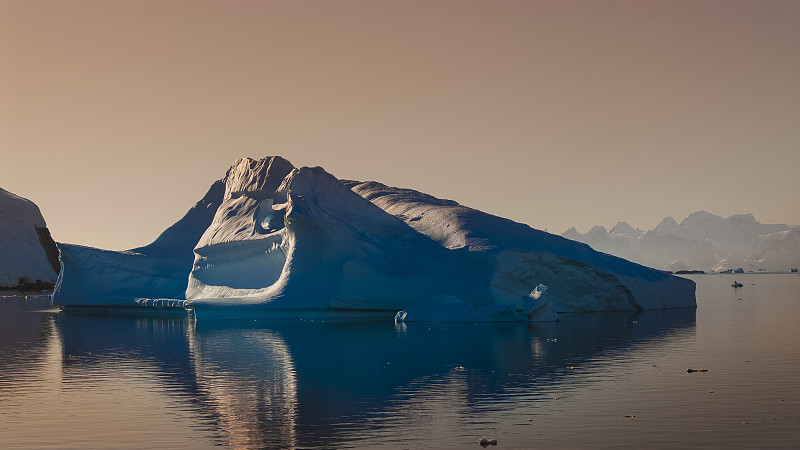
point(94, 277)
point(273, 237)
point(521, 258)
point(27, 252)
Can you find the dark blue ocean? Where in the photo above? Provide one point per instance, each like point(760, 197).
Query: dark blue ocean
point(602, 380)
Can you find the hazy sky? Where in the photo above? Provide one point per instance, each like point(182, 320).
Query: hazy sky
point(117, 115)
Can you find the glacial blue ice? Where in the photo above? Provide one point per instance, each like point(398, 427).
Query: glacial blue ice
point(270, 237)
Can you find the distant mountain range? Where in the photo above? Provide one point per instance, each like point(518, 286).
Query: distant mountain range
point(702, 241)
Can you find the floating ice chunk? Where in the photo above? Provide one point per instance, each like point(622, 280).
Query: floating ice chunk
point(538, 306)
point(484, 441)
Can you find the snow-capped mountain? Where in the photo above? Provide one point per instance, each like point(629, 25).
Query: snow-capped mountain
point(701, 241)
point(272, 236)
point(28, 255)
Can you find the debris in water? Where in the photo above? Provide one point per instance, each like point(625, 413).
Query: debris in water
point(570, 367)
point(696, 370)
point(459, 368)
point(630, 416)
point(484, 441)
point(710, 391)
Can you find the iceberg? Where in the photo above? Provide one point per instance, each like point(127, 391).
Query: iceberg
point(28, 254)
point(270, 237)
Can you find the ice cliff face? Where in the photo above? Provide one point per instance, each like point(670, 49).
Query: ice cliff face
point(271, 236)
point(27, 252)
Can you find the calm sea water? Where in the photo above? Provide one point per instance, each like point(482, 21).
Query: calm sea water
point(592, 380)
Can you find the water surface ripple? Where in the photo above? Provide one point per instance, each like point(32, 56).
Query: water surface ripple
point(606, 380)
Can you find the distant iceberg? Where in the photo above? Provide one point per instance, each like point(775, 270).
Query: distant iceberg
point(271, 237)
point(28, 255)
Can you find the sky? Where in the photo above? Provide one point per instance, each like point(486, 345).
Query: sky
point(116, 116)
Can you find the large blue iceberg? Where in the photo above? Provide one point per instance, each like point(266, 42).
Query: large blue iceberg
point(272, 238)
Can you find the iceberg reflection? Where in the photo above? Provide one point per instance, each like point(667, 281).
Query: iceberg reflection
point(303, 383)
point(25, 339)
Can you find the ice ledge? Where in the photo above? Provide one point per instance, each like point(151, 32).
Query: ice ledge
point(160, 303)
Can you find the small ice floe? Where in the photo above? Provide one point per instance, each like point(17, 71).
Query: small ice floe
point(485, 442)
point(538, 306)
point(696, 370)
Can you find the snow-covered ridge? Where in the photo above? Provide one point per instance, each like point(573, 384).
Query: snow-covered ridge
point(269, 236)
point(27, 252)
point(701, 241)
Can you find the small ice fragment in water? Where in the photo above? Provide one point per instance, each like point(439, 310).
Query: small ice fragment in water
point(484, 441)
point(459, 368)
